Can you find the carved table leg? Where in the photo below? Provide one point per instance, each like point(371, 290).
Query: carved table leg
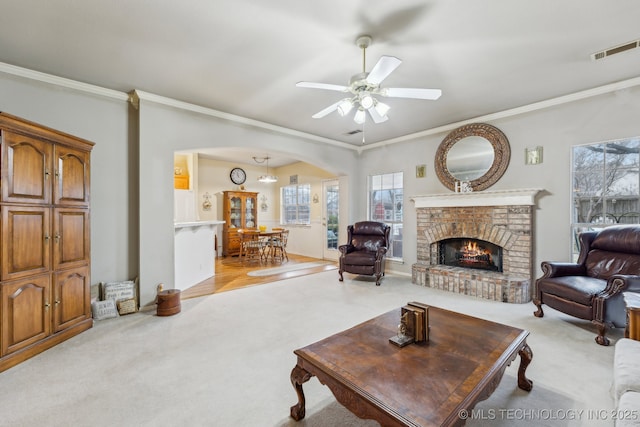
point(525, 358)
point(298, 377)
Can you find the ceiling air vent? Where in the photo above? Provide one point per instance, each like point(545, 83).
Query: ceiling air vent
point(616, 49)
point(353, 132)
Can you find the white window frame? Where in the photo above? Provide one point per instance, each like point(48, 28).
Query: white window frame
point(393, 217)
point(303, 201)
point(604, 198)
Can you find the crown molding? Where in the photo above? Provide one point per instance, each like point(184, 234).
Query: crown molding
point(134, 98)
point(61, 81)
point(136, 95)
point(565, 99)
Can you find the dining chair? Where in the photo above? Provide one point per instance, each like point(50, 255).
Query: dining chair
point(271, 239)
point(279, 245)
point(251, 245)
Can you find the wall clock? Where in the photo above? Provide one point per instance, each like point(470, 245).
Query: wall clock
point(238, 176)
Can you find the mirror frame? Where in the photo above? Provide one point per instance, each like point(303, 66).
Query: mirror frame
point(501, 155)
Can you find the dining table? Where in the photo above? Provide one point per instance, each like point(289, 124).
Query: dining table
point(269, 235)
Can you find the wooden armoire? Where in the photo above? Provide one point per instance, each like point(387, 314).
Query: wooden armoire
point(45, 295)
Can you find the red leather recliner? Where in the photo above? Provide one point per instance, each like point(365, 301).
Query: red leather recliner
point(366, 250)
point(591, 289)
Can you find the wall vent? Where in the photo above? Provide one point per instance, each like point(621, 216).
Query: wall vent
point(616, 49)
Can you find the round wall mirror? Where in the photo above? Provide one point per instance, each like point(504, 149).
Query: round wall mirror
point(478, 153)
point(470, 158)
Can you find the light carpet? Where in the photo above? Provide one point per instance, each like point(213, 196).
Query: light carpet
point(285, 268)
point(225, 360)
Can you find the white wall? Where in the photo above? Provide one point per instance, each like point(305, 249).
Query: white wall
point(604, 117)
point(164, 130)
point(104, 120)
point(213, 178)
point(132, 202)
point(307, 240)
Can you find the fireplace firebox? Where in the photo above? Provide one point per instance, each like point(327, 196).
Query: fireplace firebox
point(470, 253)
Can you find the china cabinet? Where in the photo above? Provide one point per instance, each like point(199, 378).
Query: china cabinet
point(239, 210)
point(45, 236)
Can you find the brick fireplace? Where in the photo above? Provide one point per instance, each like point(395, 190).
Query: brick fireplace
point(502, 218)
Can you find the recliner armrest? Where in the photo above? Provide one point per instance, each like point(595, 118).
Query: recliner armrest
point(382, 250)
point(619, 283)
point(559, 269)
point(608, 305)
point(345, 249)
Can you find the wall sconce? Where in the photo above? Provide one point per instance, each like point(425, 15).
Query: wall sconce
point(533, 156)
point(421, 171)
point(206, 205)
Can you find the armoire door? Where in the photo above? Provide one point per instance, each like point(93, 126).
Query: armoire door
point(71, 177)
point(26, 308)
point(71, 297)
point(71, 237)
point(26, 241)
point(26, 169)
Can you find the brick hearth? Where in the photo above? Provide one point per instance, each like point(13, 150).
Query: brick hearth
point(504, 218)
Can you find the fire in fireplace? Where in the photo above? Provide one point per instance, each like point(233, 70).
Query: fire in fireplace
point(470, 253)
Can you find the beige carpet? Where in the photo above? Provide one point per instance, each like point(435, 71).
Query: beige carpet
point(225, 360)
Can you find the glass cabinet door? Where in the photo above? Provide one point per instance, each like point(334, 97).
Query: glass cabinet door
point(235, 216)
point(250, 212)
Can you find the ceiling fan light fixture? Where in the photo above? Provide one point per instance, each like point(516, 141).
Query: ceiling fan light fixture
point(345, 106)
point(382, 108)
point(360, 116)
point(365, 90)
point(366, 100)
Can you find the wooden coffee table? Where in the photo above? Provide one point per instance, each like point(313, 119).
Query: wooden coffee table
point(427, 384)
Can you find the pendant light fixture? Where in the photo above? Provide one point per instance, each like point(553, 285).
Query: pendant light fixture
point(268, 178)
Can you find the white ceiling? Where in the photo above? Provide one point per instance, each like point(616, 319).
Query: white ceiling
point(244, 56)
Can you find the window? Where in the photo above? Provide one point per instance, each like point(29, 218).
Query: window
point(606, 188)
point(296, 205)
point(385, 205)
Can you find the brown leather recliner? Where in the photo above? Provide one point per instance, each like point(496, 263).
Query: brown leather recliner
point(366, 250)
point(591, 289)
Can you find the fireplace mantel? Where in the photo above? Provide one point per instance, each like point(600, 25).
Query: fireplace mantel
point(524, 196)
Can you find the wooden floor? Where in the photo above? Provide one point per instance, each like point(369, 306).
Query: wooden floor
point(231, 274)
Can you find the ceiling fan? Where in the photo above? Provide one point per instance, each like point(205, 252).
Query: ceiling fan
point(364, 87)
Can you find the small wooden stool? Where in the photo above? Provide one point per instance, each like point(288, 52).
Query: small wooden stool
point(632, 303)
point(168, 302)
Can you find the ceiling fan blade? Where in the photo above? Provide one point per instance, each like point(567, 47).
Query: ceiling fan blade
point(330, 109)
point(377, 118)
point(407, 92)
point(384, 67)
point(327, 86)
